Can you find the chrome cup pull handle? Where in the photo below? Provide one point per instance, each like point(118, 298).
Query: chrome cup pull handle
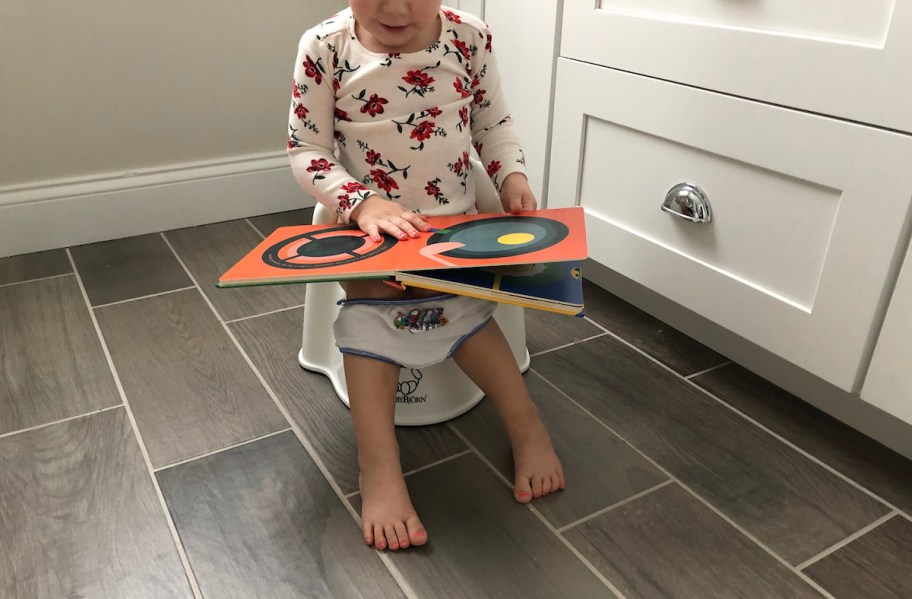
point(689, 202)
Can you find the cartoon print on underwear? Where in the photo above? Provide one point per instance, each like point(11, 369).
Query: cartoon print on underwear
point(420, 319)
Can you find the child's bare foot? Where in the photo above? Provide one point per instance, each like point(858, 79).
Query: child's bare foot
point(387, 516)
point(537, 469)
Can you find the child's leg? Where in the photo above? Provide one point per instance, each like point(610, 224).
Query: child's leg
point(387, 516)
point(487, 359)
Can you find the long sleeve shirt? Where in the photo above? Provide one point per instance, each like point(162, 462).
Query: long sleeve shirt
point(399, 125)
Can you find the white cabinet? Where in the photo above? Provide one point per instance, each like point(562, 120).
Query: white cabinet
point(889, 382)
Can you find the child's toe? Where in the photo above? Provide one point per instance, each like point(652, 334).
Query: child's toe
point(522, 490)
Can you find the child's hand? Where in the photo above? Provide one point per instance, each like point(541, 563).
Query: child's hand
point(516, 195)
point(375, 215)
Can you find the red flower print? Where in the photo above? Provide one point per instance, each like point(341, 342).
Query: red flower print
point(423, 130)
point(300, 111)
point(344, 202)
point(418, 78)
point(465, 158)
point(464, 115)
point(294, 89)
point(341, 115)
point(313, 70)
point(319, 166)
point(479, 96)
point(451, 16)
point(488, 43)
point(336, 84)
point(432, 189)
point(459, 85)
point(434, 111)
point(457, 168)
point(372, 157)
point(463, 48)
point(353, 186)
point(383, 180)
point(374, 105)
point(478, 147)
point(493, 167)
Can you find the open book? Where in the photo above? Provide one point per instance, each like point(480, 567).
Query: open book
point(308, 253)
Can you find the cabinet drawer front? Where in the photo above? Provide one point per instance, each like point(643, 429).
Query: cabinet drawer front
point(807, 211)
point(847, 58)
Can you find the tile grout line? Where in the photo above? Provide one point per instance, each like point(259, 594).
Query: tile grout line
point(858, 534)
point(586, 563)
point(611, 507)
point(243, 318)
point(566, 345)
point(762, 427)
point(66, 274)
point(693, 493)
point(151, 295)
point(302, 438)
point(62, 420)
point(221, 450)
point(708, 370)
point(175, 537)
point(250, 222)
point(423, 468)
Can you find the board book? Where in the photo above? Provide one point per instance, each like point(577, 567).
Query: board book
point(552, 286)
point(336, 252)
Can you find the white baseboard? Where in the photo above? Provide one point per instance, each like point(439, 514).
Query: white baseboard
point(62, 213)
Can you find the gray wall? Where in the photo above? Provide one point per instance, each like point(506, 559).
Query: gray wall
point(93, 87)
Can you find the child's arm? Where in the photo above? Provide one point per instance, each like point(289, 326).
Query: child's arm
point(493, 134)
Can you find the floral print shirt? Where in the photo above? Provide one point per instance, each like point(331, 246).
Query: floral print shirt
point(399, 125)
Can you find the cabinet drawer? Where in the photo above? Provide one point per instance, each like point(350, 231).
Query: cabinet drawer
point(846, 58)
point(807, 211)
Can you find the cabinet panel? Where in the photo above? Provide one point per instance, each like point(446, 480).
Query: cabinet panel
point(847, 60)
point(889, 382)
point(807, 210)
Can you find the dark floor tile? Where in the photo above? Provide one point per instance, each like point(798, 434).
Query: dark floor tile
point(38, 265)
point(123, 269)
point(260, 520)
point(668, 544)
point(877, 565)
point(188, 385)
point(79, 516)
point(268, 223)
point(209, 250)
point(481, 543)
point(788, 502)
point(883, 471)
point(664, 343)
point(600, 469)
point(547, 330)
point(273, 342)
point(53, 364)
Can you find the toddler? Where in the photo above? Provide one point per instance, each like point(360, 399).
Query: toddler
point(388, 95)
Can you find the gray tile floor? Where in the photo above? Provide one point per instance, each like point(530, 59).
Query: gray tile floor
point(158, 439)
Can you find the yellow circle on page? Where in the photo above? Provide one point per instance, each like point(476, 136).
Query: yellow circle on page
point(515, 238)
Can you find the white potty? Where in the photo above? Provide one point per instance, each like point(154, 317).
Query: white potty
point(426, 395)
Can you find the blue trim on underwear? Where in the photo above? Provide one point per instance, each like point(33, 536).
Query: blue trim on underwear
point(395, 302)
point(465, 337)
point(367, 354)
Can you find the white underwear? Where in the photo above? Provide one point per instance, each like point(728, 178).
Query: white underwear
point(414, 333)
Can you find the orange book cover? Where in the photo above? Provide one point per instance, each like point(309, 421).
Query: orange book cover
point(335, 252)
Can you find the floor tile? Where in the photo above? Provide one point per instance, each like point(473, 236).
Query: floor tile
point(260, 520)
point(188, 385)
point(877, 468)
point(123, 269)
point(664, 343)
point(877, 565)
point(79, 516)
point(546, 330)
point(53, 364)
point(668, 544)
point(600, 469)
point(268, 223)
point(210, 250)
point(29, 267)
point(272, 342)
point(481, 543)
point(788, 502)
